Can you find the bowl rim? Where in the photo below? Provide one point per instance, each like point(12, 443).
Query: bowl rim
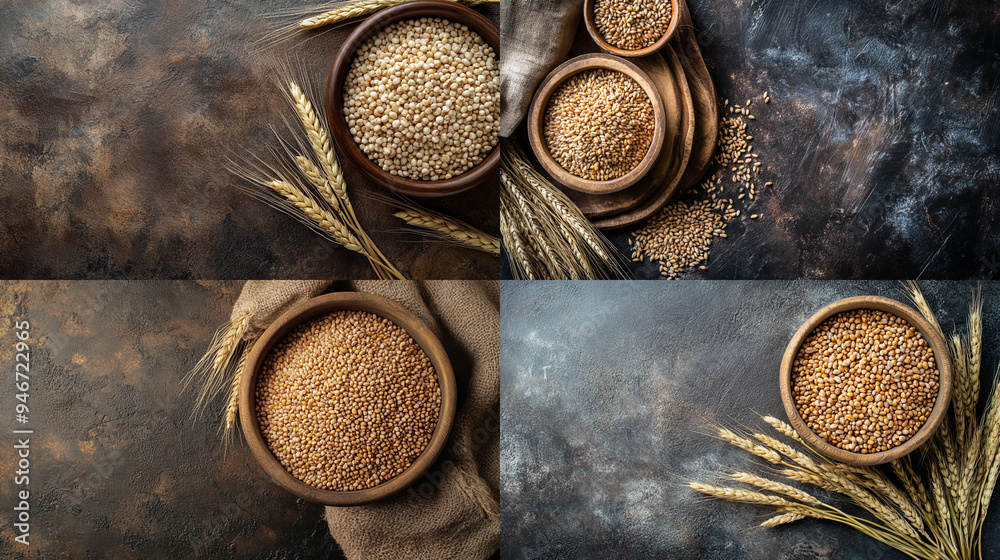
point(591, 25)
point(536, 122)
point(414, 9)
point(941, 357)
point(321, 305)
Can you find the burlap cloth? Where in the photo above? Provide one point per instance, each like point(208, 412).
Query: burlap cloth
point(536, 36)
point(453, 511)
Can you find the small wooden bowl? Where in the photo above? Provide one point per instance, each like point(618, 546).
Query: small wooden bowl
point(536, 122)
point(319, 306)
point(335, 98)
point(591, 24)
point(941, 357)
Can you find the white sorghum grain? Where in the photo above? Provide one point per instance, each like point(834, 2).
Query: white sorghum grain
point(598, 124)
point(632, 24)
point(422, 99)
point(347, 401)
point(865, 380)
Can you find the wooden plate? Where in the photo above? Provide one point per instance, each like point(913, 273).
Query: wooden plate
point(706, 103)
point(335, 97)
point(588, 18)
point(310, 309)
point(941, 357)
point(536, 122)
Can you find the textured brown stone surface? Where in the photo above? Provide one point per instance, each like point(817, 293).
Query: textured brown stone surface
point(115, 118)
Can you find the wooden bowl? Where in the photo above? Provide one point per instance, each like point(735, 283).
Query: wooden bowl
point(536, 122)
point(335, 98)
point(591, 24)
point(941, 357)
point(319, 306)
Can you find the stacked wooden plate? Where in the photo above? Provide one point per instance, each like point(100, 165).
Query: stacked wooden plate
point(690, 120)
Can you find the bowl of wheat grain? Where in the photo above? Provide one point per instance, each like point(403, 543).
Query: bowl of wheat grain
point(413, 98)
point(631, 28)
point(597, 124)
point(866, 380)
point(346, 399)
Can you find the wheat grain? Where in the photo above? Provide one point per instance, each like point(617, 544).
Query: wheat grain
point(455, 230)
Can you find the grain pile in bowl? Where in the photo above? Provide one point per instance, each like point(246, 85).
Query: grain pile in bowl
point(598, 124)
point(422, 99)
point(347, 401)
point(865, 380)
point(632, 24)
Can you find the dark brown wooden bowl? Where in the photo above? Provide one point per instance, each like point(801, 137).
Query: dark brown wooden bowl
point(310, 309)
point(536, 123)
point(941, 357)
point(335, 98)
point(591, 24)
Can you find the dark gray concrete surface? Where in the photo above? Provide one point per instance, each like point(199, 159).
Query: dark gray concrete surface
point(119, 469)
point(115, 119)
point(881, 137)
point(608, 391)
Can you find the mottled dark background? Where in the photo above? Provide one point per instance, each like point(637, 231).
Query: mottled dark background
point(881, 137)
point(119, 469)
point(115, 118)
point(608, 391)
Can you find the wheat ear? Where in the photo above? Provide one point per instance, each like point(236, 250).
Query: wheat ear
point(731, 438)
point(232, 407)
point(782, 519)
point(462, 233)
point(522, 265)
point(326, 221)
point(350, 10)
point(776, 487)
point(737, 495)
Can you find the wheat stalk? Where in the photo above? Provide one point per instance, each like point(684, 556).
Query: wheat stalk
point(464, 234)
point(349, 10)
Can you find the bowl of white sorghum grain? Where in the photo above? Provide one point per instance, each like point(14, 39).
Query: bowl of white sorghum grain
point(631, 27)
point(346, 399)
point(597, 124)
point(413, 98)
point(866, 380)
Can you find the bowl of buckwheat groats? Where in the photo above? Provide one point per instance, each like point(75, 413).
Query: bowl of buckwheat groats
point(632, 28)
point(346, 399)
point(596, 124)
point(413, 98)
point(866, 380)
